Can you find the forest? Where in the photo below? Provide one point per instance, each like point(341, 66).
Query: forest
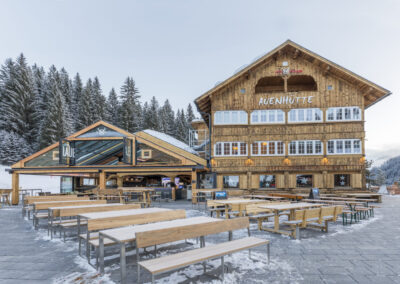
point(39, 107)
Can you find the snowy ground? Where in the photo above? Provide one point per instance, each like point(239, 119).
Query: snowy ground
point(47, 183)
point(367, 252)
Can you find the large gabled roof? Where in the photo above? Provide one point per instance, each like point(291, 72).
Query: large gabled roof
point(169, 143)
point(373, 92)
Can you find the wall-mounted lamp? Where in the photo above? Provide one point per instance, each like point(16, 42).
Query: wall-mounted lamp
point(213, 163)
point(287, 162)
point(249, 162)
point(324, 161)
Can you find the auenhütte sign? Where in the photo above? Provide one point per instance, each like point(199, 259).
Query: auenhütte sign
point(285, 100)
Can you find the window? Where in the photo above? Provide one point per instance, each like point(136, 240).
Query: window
point(342, 180)
point(231, 181)
point(267, 181)
point(344, 146)
point(230, 149)
point(267, 148)
point(56, 155)
point(307, 147)
point(88, 181)
point(305, 115)
point(304, 180)
point(230, 117)
point(146, 154)
point(343, 114)
point(267, 116)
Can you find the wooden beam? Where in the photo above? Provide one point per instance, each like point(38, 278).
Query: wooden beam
point(15, 188)
point(102, 180)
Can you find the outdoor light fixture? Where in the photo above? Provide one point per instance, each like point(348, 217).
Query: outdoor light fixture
point(362, 160)
point(287, 162)
point(324, 161)
point(213, 163)
point(249, 162)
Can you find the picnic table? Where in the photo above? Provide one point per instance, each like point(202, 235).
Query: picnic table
point(143, 191)
point(266, 197)
point(5, 196)
point(376, 196)
point(277, 208)
point(25, 191)
point(125, 235)
point(335, 202)
point(229, 202)
point(363, 200)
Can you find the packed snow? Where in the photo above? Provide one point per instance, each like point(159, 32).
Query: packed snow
point(170, 140)
point(46, 183)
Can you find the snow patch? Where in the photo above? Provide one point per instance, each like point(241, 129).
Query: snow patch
point(170, 140)
point(46, 183)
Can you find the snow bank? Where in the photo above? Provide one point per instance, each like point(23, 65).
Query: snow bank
point(47, 183)
point(169, 139)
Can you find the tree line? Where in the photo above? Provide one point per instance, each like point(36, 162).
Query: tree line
point(39, 107)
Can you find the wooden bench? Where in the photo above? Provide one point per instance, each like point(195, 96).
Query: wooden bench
point(73, 211)
point(183, 259)
point(44, 206)
point(95, 225)
point(254, 212)
point(28, 201)
point(162, 236)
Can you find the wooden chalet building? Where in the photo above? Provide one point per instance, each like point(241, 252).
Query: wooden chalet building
point(291, 120)
point(103, 155)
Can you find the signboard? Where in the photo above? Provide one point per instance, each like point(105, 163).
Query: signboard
point(221, 195)
point(285, 100)
point(66, 152)
point(127, 155)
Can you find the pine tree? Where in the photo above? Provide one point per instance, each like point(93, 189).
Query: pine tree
point(12, 148)
point(99, 106)
point(167, 119)
point(85, 115)
point(151, 116)
point(18, 100)
point(39, 78)
point(113, 108)
point(77, 93)
point(190, 114)
point(65, 86)
point(181, 126)
point(130, 107)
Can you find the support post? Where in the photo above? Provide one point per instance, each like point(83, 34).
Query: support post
point(102, 180)
point(15, 188)
point(194, 187)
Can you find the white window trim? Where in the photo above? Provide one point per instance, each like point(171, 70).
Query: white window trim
point(305, 148)
point(344, 153)
point(259, 148)
point(343, 111)
point(222, 112)
point(314, 110)
point(230, 149)
point(258, 111)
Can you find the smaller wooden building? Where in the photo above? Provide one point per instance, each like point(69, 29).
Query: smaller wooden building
point(105, 156)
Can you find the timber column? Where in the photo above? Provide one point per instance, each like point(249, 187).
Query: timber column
point(194, 186)
point(15, 188)
point(102, 180)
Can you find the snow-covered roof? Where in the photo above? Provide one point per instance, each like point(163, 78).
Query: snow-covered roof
point(171, 140)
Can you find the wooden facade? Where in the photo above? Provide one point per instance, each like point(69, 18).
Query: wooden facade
point(290, 78)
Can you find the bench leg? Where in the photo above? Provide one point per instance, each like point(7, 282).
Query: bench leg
point(268, 252)
point(223, 267)
point(123, 264)
point(101, 253)
point(152, 279)
point(137, 263)
point(230, 236)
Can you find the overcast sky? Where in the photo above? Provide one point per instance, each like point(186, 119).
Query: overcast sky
point(180, 49)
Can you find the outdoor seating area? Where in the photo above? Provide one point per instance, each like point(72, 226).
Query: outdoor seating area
point(101, 227)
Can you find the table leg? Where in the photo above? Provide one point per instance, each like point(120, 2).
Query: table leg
point(123, 264)
point(276, 221)
point(101, 253)
point(226, 211)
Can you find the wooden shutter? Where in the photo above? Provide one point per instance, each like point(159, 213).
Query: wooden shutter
point(220, 181)
point(356, 180)
point(280, 181)
point(318, 181)
point(292, 181)
point(243, 181)
point(255, 181)
point(330, 181)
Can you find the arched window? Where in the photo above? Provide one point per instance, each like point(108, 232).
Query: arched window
point(298, 83)
point(270, 85)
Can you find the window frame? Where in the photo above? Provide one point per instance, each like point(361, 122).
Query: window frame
point(238, 182)
point(294, 115)
point(267, 113)
point(343, 145)
point(334, 111)
point(221, 116)
point(230, 145)
point(304, 147)
point(260, 148)
point(259, 181)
